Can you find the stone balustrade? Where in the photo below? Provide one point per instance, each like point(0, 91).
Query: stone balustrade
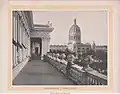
point(79, 76)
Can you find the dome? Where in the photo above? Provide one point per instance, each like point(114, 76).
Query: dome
point(75, 33)
point(74, 28)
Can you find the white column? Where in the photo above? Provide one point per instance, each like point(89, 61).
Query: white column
point(45, 45)
point(33, 47)
point(14, 36)
point(16, 62)
point(48, 44)
point(29, 47)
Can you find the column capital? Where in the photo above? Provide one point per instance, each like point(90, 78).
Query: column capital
point(45, 38)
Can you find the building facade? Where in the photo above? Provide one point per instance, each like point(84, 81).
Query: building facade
point(101, 47)
point(27, 39)
point(61, 48)
point(21, 29)
point(40, 39)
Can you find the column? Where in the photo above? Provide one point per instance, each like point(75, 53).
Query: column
point(48, 44)
point(20, 41)
point(14, 35)
point(43, 45)
point(22, 31)
point(32, 47)
point(29, 46)
point(16, 39)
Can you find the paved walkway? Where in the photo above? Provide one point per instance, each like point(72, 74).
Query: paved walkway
point(38, 72)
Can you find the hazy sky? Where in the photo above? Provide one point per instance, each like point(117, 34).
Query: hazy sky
point(93, 25)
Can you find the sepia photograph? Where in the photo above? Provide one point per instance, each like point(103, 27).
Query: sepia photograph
point(59, 47)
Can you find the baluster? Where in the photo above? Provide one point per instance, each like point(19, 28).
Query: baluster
point(100, 83)
point(64, 70)
point(92, 81)
point(75, 74)
point(96, 82)
point(80, 76)
point(71, 72)
point(88, 78)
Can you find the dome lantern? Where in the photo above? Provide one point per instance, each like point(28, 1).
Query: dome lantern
point(75, 21)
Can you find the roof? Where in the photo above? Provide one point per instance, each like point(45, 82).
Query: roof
point(58, 45)
point(74, 28)
point(83, 45)
point(40, 25)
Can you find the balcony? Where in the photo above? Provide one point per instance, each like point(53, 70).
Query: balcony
point(77, 75)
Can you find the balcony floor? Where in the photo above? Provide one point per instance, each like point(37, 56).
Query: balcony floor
point(38, 72)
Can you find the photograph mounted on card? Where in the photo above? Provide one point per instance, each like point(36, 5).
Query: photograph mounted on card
point(59, 47)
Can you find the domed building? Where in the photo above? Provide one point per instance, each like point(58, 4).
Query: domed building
point(75, 33)
point(75, 43)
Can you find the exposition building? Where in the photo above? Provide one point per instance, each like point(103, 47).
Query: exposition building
point(28, 40)
point(74, 43)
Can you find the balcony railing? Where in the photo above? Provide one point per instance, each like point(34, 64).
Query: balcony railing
point(79, 76)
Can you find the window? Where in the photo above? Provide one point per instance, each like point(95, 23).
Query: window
point(87, 48)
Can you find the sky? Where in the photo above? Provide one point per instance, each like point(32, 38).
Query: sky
point(93, 25)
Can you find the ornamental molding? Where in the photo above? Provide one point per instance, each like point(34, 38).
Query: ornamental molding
point(40, 34)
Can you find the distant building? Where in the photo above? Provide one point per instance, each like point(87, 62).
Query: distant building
point(82, 48)
point(101, 47)
point(58, 47)
point(75, 43)
point(98, 47)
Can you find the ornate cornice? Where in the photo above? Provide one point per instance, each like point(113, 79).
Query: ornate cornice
point(42, 28)
point(40, 34)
